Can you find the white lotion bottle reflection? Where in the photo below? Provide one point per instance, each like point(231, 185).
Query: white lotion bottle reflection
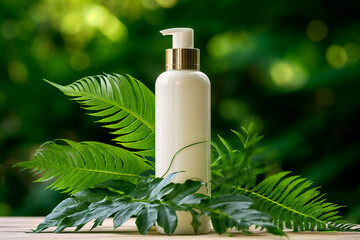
point(182, 97)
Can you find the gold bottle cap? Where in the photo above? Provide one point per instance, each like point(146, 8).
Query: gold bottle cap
point(182, 58)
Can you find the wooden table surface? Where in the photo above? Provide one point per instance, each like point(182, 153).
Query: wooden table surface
point(20, 228)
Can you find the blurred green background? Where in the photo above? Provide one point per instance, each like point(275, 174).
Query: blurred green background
point(292, 66)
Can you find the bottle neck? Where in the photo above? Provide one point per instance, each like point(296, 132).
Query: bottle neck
point(182, 59)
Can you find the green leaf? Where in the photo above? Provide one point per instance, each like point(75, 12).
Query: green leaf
point(77, 166)
point(219, 223)
point(195, 222)
point(104, 209)
point(240, 136)
point(167, 219)
point(124, 105)
point(226, 144)
point(125, 212)
point(293, 205)
point(67, 207)
point(191, 199)
point(157, 187)
point(153, 189)
point(180, 191)
point(146, 218)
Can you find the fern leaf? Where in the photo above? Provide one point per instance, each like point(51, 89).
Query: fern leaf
point(124, 105)
point(289, 199)
point(77, 166)
point(294, 205)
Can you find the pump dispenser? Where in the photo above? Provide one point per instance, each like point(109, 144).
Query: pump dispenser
point(183, 55)
point(182, 106)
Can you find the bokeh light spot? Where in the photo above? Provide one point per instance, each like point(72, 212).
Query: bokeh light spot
point(288, 75)
point(113, 29)
point(281, 73)
point(8, 29)
point(72, 23)
point(316, 30)
point(336, 56)
point(79, 61)
point(96, 15)
point(166, 3)
point(18, 72)
point(227, 43)
point(352, 51)
point(324, 97)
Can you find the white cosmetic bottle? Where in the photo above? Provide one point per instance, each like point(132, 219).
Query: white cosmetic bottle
point(182, 98)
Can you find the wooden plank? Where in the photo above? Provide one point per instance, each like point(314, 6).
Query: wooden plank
point(20, 228)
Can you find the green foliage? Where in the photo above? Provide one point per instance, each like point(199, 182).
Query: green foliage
point(124, 105)
point(294, 205)
point(111, 185)
point(78, 166)
point(156, 200)
point(237, 165)
point(288, 199)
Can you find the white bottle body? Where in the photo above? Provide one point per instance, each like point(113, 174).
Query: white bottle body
point(182, 99)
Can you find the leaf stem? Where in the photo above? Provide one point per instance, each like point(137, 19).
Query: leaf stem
point(172, 160)
point(101, 171)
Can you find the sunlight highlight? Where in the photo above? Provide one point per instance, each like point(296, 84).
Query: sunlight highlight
point(96, 15)
point(113, 29)
point(287, 74)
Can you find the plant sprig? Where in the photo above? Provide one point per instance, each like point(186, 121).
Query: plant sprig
point(156, 200)
point(288, 199)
